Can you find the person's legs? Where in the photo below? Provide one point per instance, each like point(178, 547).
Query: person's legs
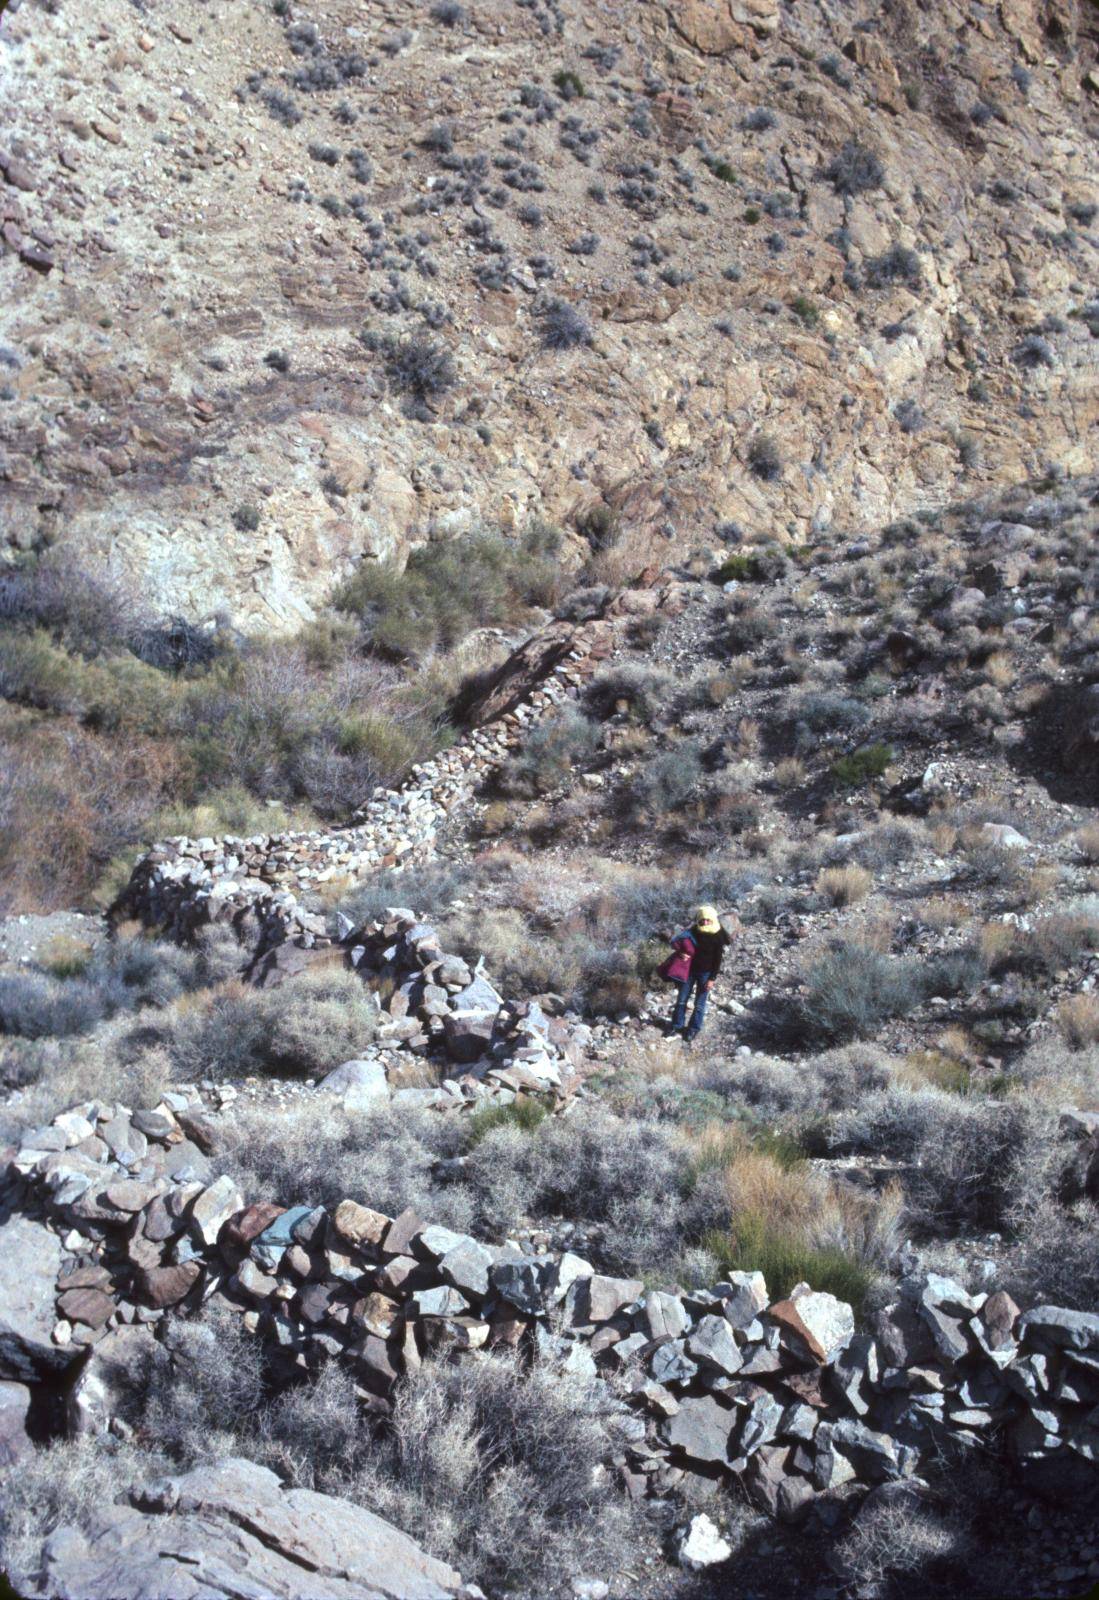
point(679, 1019)
point(698, 1015)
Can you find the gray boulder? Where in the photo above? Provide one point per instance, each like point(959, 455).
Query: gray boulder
point(15, 1405)
point(360, 1084)
point(232, 1530)
point(30, 1259)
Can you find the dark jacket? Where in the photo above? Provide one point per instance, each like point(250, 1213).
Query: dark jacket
point(709, 948)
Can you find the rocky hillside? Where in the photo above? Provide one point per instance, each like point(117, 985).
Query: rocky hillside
point(288, 286)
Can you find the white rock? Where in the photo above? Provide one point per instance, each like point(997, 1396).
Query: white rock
point(1006, 838)
point(701, 1545)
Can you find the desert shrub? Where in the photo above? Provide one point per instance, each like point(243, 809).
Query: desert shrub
point(1077, 1019)
point(831, 713)
point(447, 590)
point(899, 1535)
point(199, 1392)
point(550, 753)
point(642, 688)
point(1087, 842)
point(898, 264)
point(645, 905)
point(316, 1151)
point(421, 367)
point(626, 1179)
point(120, 975)
point(426, 890)
point(666, 781)
point(563, 326)
point(1056, 1255)
point(862, 766)
point(854, 170)
point(765, 458)
point(82, 609)
point(890, 1121)
point(794, 1093)
point(524, 1113)
point(299, 1029)
point(66, 1485)
point(758, 120)
point(765, 564)
point(1033, 352)
point(497, 1467)
point(449, 13)
point(843, 886)
point(851, 989)
point(982, 1164)
point(175, 645)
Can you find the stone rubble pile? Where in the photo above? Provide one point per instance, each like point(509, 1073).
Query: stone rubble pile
point(784, 1395)
point(438, 1002)
point(256, 885)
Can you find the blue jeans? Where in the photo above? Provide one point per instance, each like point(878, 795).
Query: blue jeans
point(698, 982)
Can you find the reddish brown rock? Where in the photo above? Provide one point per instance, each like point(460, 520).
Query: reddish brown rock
point(167, 1286)
point(90, 1306)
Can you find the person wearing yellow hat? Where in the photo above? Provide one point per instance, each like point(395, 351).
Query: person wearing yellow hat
point(699, 950)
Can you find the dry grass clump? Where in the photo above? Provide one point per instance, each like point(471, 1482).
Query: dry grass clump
point(843, 886)
point(789, 1222)
point(1087, 842)
point(1077, 1019)
point(789, 772)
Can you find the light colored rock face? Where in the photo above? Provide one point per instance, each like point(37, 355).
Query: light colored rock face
point(188, 241)
point(30, 1259)
point(232, 1530)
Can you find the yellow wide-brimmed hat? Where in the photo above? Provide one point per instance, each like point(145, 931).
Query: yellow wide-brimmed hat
point(706, 920)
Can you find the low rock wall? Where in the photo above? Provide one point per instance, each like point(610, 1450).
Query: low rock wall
point(785, 1395)
point(257, 885)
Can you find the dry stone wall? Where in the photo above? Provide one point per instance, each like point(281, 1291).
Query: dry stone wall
point(258, 884)
point(784, 1395)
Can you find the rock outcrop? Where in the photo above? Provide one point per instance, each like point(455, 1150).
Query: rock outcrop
point(216, 256)
point(232, 1530)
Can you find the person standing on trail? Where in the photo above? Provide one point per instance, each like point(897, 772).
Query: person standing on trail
point(694, 966)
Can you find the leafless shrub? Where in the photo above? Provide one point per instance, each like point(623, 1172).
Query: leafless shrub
point(501, 1471)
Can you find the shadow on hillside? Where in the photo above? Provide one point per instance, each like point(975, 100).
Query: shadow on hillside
point(1061, 745)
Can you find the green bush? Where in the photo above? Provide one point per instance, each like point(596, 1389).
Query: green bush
point(553, 749)
point(446, 590)
point(524, 1113)
point(752, 566)
point(862, 766)
point(756, 1243)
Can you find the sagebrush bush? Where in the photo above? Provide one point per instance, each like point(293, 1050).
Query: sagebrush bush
point(983, 1164)
point(666, 782)
point(119, 975)
point(551, 754)
point(563, 326)
point(854, 170)
point(65, 1485)
point(498, 1468)
point(446, 590)
point(303, 1028)
point(634, 686)
point(851, 989)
